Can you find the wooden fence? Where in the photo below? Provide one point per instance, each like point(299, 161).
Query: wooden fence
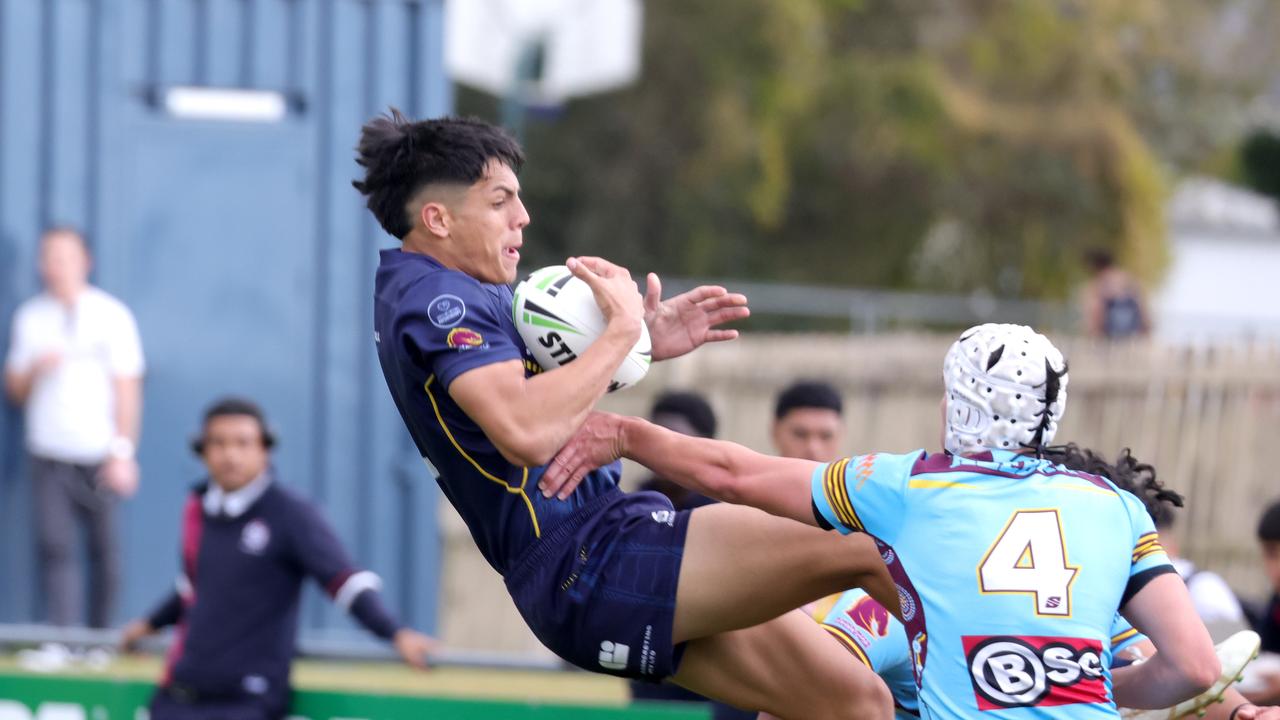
point(1206, 417)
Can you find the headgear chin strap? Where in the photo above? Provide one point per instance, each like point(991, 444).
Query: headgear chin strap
point(1006, 389)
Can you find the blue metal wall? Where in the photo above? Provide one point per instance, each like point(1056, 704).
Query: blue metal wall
point(242, 249)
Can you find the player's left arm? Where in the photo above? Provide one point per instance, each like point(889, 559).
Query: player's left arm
point(681, 324)
point(317, 549)
point(722, 470)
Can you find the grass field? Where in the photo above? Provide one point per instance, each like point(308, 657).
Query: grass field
point(387, 678)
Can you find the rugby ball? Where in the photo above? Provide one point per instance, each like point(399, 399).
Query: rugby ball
point(558, 318)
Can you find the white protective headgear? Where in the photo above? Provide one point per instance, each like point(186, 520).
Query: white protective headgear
point(1006, 389)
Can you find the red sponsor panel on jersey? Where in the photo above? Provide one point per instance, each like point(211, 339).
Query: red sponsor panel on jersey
point(1034, 671)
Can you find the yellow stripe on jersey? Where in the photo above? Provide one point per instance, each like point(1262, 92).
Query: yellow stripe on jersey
point(823, 606)
point(1117, 639)
point(1147, 544)
point(537, 531)
point(838, 495)
point(849, 644)
point(1151, 549)
point(939, 484)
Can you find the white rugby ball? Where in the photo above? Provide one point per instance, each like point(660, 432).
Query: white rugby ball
point(558, 318)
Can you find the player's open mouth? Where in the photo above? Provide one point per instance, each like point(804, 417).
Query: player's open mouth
point(513, 252)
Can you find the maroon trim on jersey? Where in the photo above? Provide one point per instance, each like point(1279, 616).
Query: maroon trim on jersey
point(911, 607)
point(192, 529)
point(338, 581)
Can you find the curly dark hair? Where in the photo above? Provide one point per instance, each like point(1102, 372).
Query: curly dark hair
point(1127, 473)
point(401, 156)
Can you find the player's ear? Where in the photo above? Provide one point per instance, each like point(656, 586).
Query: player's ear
point(436, 218)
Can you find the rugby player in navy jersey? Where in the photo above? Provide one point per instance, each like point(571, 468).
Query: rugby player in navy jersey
point(613, 582)
point(247, 544)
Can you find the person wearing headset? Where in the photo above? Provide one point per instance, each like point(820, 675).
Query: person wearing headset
point(247, 544)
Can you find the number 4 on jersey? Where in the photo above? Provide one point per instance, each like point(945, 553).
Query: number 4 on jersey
point(1030, 557)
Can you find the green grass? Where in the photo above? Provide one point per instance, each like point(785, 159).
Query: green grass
point(394, 679)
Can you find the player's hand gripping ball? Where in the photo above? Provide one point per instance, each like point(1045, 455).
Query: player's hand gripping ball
point(558, 319)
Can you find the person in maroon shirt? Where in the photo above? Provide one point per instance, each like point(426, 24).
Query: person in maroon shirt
point(248, 542)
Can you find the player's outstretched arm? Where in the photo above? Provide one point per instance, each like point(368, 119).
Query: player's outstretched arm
point(528, 420)
point(722, 470)
point(1186, 664)
point(681, 324)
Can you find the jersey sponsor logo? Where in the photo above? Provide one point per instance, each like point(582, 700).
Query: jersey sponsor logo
point(464, 339)
point(871, 617)
point(446, 311)
point(255, 537)
point(888, 556)
point(908, 604)
point(1034, 671)
point(613, 656)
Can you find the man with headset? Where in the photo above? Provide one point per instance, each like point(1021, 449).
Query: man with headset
point(247, 544)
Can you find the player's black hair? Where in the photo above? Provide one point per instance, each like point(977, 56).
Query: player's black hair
point(401, 156)
point(690, 406)
point(1269, 525)
point(1127, 473)
point(234, 406)
point(807, 394)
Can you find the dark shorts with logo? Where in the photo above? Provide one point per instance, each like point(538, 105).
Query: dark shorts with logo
point(599, 589)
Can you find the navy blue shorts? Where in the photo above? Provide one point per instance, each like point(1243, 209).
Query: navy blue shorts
point(599, 590)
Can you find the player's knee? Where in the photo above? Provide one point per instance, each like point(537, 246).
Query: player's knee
point(864, 697)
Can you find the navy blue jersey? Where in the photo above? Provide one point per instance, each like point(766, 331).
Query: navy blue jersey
point(431, 325)
point(236, 601)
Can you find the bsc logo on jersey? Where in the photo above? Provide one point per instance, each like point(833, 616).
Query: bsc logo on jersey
point(1034, 671)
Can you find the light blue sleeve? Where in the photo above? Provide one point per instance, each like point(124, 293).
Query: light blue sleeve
point(865, 493)
point(1148, 553)
point(1124, 635)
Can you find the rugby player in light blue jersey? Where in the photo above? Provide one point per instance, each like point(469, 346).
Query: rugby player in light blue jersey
point(1010, 568)
point(876, 639)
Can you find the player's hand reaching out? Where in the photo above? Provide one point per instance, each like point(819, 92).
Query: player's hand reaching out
point(414, 647)
point(598, 442)
point(681, 324)
point(615, 292)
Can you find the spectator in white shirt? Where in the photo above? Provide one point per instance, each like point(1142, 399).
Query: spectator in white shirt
point(75, 365)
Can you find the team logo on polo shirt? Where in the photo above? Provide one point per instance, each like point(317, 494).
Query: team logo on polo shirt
point(255, 537)
point(446, 311)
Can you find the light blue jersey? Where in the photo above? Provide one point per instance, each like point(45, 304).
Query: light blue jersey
point(879, 641)
point(1010, 571)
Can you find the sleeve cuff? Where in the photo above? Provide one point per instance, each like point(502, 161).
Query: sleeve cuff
point(1140, 580)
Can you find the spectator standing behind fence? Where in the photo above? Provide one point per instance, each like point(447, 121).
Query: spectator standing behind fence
point(75, 365)
point(808, 422)
point(1114, 306)
point(247, 545)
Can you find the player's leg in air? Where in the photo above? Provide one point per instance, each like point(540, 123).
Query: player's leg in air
point(994, 536)
point(613, 582)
